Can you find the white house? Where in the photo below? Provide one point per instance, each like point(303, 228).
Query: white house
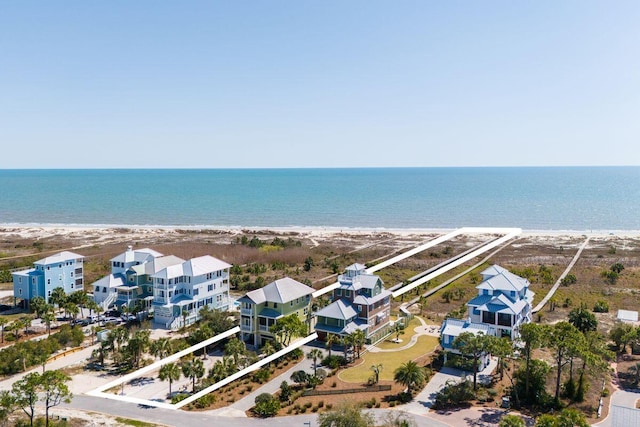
point(183, 289)
point(130, 278)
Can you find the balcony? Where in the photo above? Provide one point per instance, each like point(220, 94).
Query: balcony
point(246, 328)
point(264, 328)
point(246, 311)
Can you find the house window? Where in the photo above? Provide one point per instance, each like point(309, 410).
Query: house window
point(48, 293)
point(359, 307)
point(476, 311)
point(347, 294)
point(71, 274)
point(291, 303)
point(59, 276)
point(48, 281)
point(195, 292)
point(20, 291)
point(275, 305)
point(209, 288)
point(19, 279)
point(339, 292)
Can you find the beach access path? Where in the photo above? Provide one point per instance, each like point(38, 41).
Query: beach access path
point(555, 287)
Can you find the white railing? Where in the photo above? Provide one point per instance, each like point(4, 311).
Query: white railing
point(110, 300)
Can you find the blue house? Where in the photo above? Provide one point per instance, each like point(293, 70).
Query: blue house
point(62, 270)
point(503, 303)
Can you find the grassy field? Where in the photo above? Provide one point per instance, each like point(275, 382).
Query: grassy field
point(389, 360)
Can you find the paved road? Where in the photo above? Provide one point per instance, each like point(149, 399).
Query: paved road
point(624, 398)
point(425, 399)
point(199, 419)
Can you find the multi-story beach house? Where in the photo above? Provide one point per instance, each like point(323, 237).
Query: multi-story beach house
point(62, 270)
point(130, 283)
point(180, 291)
point(260, 309)
point(502, 305)
point(360, 302)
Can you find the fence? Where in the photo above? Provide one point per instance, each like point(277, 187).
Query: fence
point(383, 387)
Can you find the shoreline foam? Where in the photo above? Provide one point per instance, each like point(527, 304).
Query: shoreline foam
point(30, 230)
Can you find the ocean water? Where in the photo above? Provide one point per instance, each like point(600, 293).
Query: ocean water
point(533, 198)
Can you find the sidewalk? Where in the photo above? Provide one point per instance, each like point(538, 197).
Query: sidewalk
point(421, 404)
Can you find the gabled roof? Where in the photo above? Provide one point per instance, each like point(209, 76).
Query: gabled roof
point(111, 281)
point(493, 271)
point(338, 310)
point(281, 291)
point(502, 304)
point(204, 265)
point(367, 281)
point(156, 264)
point(138, 255)
point(503, 281)
point(58, 258)
point(194, 267)
point(361, 299)
point(356, 267)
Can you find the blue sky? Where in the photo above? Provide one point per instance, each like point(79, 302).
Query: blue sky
point(210, 84)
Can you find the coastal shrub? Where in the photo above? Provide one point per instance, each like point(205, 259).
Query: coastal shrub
point(266, 405)
point(334, 361)
point(601, 307)
point(569, 279)
point(261, 376)
point(454, 395)
point(179, 397)
point(611, 277)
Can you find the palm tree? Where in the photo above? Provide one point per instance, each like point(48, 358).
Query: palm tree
point(37, 304)
point(330, 340)
point(58, 297)
point(169, 372)
point(193, 368)
point(358, 338)
point(398, 329)
point(160, 348)
point(138, 344)
point(218, 371)
point(48, 317)
point(268, 349)
point(236, 349)
point(314, 354)
point(376, 372)
point(26, 324)
point(410, 375)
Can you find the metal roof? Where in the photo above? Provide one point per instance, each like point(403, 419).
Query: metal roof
point(281, 291)
point(338, 310)
point(60, 257)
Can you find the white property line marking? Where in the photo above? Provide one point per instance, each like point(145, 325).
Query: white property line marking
point(164, 361)
point(245, 371)
point(429, 244)
point(99, 392)
point(512, 232)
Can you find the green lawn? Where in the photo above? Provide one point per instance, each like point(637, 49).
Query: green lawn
point(389, 360)
point(406, 337)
